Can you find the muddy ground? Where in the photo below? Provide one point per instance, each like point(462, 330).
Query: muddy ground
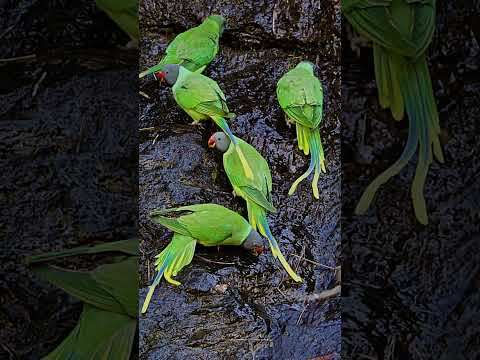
point(246, 307)
point(68, 157)
point(411, 292)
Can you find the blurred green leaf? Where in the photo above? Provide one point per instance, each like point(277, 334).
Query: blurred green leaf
point(108, 323)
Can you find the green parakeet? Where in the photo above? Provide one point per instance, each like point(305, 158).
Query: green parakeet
point(401, 31)
point(125, 15)
point(201, 98)
point(256, 192)
point(195, 48)
point(207, 224)
point(300, 95)
point(106, 328)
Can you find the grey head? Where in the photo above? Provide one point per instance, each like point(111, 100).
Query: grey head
point(169, 73)
point(254, 241)
point(219, 141)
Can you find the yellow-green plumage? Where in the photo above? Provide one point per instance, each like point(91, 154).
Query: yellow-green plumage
point(202, 99)
point(256, 192)
point(401, 31)
point(300, 95)
point(207, 224)
point(194, 49)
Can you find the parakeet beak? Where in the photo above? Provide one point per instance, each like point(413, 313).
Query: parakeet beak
point(257, 250)
point(160, 76)
point(211, 142)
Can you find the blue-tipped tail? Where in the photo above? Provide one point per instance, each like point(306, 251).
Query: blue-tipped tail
point(264, 229)
point(156, 281)
point(422, 134)
point(309, 141)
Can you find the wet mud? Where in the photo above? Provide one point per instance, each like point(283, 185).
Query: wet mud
point(68, 157)
point(232, 305)
point(409, 291)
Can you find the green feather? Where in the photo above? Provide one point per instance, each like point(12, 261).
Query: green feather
point(401, 31)
point(207, 224)
point(300, 95)
point(256, 192)
point(194, 49)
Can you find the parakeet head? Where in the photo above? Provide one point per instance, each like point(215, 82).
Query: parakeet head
point(219, 20)
point(254, 242)
point(169, 74)
point(219, 141)
point(306, 65)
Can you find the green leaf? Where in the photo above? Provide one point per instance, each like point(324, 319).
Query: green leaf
point(129, 247)
point(99, 335)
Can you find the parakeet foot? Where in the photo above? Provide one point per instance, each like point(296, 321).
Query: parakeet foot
point(197, 123)
point(289, 122)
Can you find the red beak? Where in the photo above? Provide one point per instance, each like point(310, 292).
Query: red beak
point(258, 250)
point(211, 142)
point(160, 76)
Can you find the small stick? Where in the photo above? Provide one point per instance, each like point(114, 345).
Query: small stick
point(318, 264)
point(258, 339)
point(19, 58)
point(6, 31)
point(144, 94)
point(300, 316)
point(36, 86)
point(214, 262)
point(147, 129)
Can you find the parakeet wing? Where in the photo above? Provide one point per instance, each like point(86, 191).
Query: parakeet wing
point(211, 224)
point(202, 94)
point(300, 95)
point(199, 48)
point(257, 189)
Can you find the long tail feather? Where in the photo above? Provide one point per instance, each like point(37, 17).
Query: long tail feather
point(224, 126)
point(261, 222)
point(309, 141)
point(177, 255)
point(155, 282)
point(423, 135)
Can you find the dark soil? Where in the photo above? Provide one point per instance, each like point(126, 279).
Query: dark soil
point(248, 308)
point(411, 292)
point(68, 154)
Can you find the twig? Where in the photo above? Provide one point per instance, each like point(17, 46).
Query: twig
point(257, 339)
point(318, 264)
point(7, 30)
point(19, 58)
point(144, 94)
point(300, 316)
point(37, 84)
point(147, 129)
point(281, 292)
point(326, 294)
point(214, 262)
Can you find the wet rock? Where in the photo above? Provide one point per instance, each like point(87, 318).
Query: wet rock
point(257, 299)
point(200, 281)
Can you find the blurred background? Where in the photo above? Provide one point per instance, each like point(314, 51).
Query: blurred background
point(68, 154)
point(411, 291)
